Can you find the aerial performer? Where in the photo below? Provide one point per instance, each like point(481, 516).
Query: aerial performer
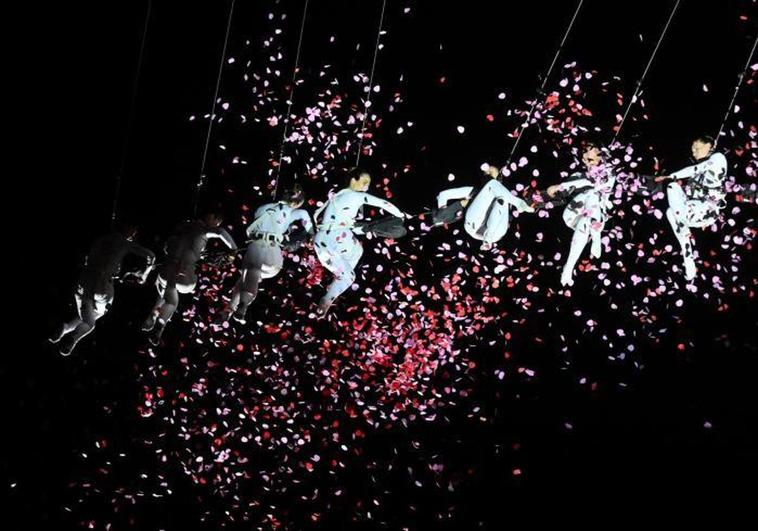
point(263, 257)
point(588, 206)
point(94, 292)
point(486, 215)
point(699, 202)
point(177, 273)
point(337, 247)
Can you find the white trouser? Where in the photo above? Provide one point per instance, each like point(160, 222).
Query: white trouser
point(263, 259)
point(585, 228)
point(91, 305)
point(684, 214)
point(170, 283)
point(587, 219)
point(339, 251)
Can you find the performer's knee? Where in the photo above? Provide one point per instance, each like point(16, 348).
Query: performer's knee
point(88, 324)
point(348, 275)
point(674, 193)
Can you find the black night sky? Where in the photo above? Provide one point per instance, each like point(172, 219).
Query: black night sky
point(675, 419)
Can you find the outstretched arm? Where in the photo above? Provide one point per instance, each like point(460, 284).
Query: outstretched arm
point(715, 164)
point(382, 204)
point(517, 203)
point(575, 183)
point(303, 217)
point(224, 236)
point(453, 194)
point(568, 186)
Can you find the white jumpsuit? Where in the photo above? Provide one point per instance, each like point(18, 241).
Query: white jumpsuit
point(698, 204)
point(586, 213)
point(487, 215)
point(94, 294)
point(336, 246)
point(177, 274)
point(263, 257)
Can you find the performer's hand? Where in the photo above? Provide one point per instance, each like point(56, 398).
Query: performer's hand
point(230, 258)
point(464, 202)
point(552, 190)
point(493, 172)
point(661, 178)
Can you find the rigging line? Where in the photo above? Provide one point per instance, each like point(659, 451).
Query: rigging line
point(525, 124)
point(370, 84)
point(636, 92)
point(201, 178)
point(740, 79)
point(289, 100)
point(132, 112)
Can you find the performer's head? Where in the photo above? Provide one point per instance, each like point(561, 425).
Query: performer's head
point(212, 218)
point(702, 147)
point(492, 171)
point(591, 154)
point(358, 180)
point(127, 229)
point(294, 197)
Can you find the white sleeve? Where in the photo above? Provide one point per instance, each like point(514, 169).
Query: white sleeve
point(517, 202)
point(302, 216)
point(224, 236)
point(691, 171)
point(575, 183)
point(501, 191)
point(382, 204)
point(445, 196)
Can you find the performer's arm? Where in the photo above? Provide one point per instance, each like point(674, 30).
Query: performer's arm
point(453, 194)
point(383, 205)
point(568, 185)
point(224, 236)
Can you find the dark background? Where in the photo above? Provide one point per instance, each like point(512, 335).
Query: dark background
point(76, 69)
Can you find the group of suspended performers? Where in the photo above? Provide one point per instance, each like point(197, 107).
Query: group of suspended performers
point(336, 225)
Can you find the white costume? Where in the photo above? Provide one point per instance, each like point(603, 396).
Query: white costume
point(336, 246)
point(94, 294)
point(487, 215)
point(177, 274)
point(698, 204)
point(586, 213)
point(263, 258)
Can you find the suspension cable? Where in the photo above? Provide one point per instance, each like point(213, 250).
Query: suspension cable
point(370, 83)
point(201, 177)
point(290, 98)
point(545, 79)
point(740, 79)
point(637, 91)
point(130, 121)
